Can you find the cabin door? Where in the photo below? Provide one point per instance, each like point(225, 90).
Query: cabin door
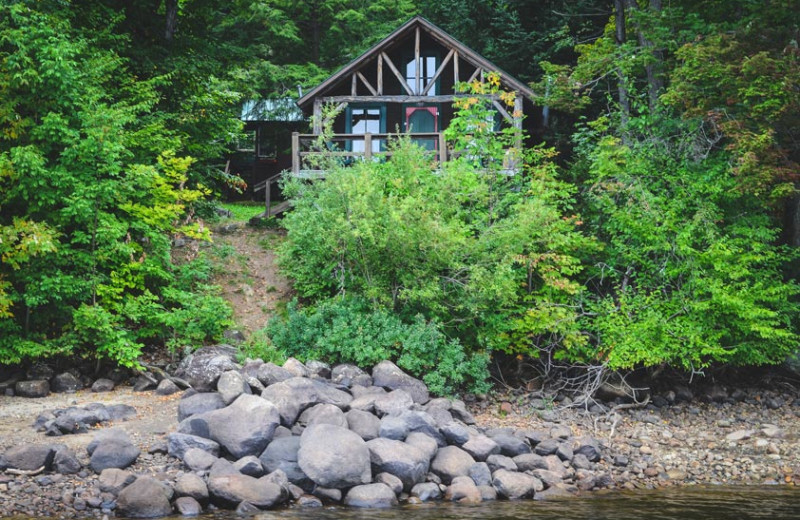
point(423, 120)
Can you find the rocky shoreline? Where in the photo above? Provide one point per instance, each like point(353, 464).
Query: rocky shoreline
point(261, 436)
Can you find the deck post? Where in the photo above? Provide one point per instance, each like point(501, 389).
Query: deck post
point(368, 147)
point(268, 190)
point(442, 149)
point(295, 152)
point(317, 119)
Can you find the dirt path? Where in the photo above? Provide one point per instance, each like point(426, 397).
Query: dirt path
point(248, 275)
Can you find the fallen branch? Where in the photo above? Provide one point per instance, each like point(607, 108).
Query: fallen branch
point(25, 472)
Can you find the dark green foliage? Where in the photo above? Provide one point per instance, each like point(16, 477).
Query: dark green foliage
point(349, 330)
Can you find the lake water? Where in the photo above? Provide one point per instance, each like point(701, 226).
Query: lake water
point(715, 503)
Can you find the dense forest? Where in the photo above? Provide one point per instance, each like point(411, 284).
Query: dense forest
point(656, 223)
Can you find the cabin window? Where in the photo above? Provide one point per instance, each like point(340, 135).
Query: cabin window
point(427, 69)
point(246, 141)
point(363, 119)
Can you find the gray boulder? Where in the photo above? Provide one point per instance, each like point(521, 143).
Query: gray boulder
point(323, 414)
point(513, 485)
point(167, 387)
point(451, 462)
point(245, 427)
point(463, 490)
point(198, 460)
point(481, 474)
point(424, 443)
point(188, 506)
point(29, 457)
point(296, 367)
point(65, 461)
point(530, 462)
point(394, 483)
point(547, 447)
point(230, 385)
point(281, 454)
point(394, 402)
point(178, 443)
point(145, 498)
point(114, 480)
point(191, 485)
point(366, 425)
point(480, 446)
point(588, 447)
point(32, 388)
point(389, 375)
point(427, 491)
point(103, 385)
point(249, 465)
point(199, 403)
point(318, 369)
point(270, 373)
point(334, 457)
point(511, 446)
point(113, 454)
point(456, 433)
point(371, 495)
point(347, 375)
point(65, 382)
point(230, 490)
point(496, 462)
point(202, 368)
point(294, 395)
point(402, 460)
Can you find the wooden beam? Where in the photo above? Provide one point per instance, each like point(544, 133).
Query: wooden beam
point(380, 74)
point(295, 152)
point(475, 75)
point(518, 111)
point(317, 118)
point(455, 70)
point(438, 72)
point(354, 85)
point(504, 112)
point(417, 64)
point(367, 84)
point(397, 74)
point(447, 98)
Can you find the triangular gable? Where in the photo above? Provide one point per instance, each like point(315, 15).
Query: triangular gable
point(401, 33)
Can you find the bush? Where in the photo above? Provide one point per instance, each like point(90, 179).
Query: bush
point(346, 330)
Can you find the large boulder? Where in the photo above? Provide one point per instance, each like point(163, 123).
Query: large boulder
point(451, 462)
point(323, 413)
point(298, 393)
point(114, 480)
point(389, 375)
point(402, 460)
point(394, 402)
point(363, 423)
point(349, 375)
point(111, 449)
point(513, 485)
point(281, 454)
point(232, 384)
point(202, 368)
point(511, 446)
point(334, 457)
point(28, 457)
point(145, 498)
point(371, 495)
point(32, 388)
point(245, 427)
point(191, 485)
point(230, 490)
point(481, 446)
point(179, 443)
point(270, 373)
point(65, 382)
point(198, 403)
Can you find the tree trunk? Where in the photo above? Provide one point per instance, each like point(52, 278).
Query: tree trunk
point(654, 69)
point(171, 7)
point(621, 37)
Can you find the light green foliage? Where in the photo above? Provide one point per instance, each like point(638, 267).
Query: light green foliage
point(349, 330)
point(488, 255)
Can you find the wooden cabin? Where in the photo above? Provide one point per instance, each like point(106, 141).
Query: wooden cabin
point(406, 83)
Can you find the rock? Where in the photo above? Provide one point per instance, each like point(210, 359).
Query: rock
point(588, 447)
point(335, 457)
point(245, 427)
point(308, 501)
point(496, 462)
point(34, 388)
point(198, 460)
point(488, 493)
point(232, 335)
point(145, 382)
point(65, 382)
point(393, 427)
point(323, 414)
point(394, 483)
point(145, 498)
point(29, 457)
point(113, 454)
point(230, 490)
point(426, 491)
point(250, 466)
point(245, 508)
point(547, 447)
point(464, 490)
point(188, 506)
point(394, 402)
point(424, 443)
point(178, 443)
point(460, 412)
point(550, 478)
point(295, 367)
point(191, 485)
point(739, 435)
point(347, 374)
point(281, 454)
point(389, 375)
point(294, 395)
point(565, 453)
point(511, 446)
point(167, 387)
point(451, 462)
point(199, 403)
point(513, 485)
point(480, 447)
point(230, 385)
point(120, 412)
point(420, 422)
point(328, 494)
point(366, 425)
point(580, 462)
point(270, 373)
point(481, 474)
point(456, 433)
point(202, 368)
point(402, 460)
point(114, 480)
point(371, 495)
point(66, 462)
point(221, 468)
point(318, 369)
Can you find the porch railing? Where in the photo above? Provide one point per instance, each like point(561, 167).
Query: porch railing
point(308, 154)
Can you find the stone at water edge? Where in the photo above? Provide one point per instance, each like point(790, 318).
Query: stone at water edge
point(229, 490)
point(463, 490)
point(145, 498)
point(451, 462)
point(188, 506)
point(281, 454)
point(371, 496)
point(513, 485)
point(191, 485)
point(334, 457)
point(402, 460)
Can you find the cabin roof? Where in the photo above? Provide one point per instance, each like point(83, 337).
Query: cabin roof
point(403, 32)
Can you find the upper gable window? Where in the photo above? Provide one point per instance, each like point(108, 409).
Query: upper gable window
point(427, 69)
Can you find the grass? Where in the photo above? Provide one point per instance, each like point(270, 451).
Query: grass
point(244, 210)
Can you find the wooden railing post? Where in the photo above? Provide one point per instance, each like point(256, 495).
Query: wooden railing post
point(268, 189)
point(367, 147)
point(442, 148)
point(295, 152)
